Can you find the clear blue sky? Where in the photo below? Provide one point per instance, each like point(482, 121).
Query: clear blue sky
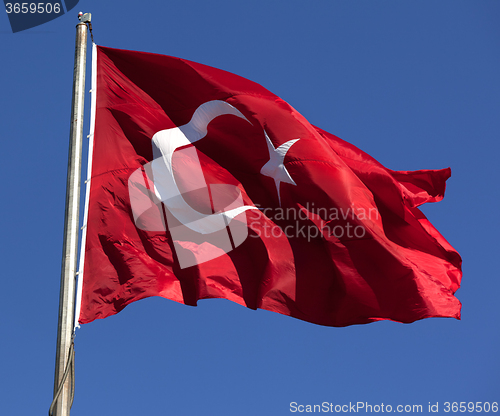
point(414, 83)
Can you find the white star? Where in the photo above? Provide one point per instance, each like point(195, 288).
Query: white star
point(275, 168)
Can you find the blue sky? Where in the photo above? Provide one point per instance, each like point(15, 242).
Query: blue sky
point(414, 84)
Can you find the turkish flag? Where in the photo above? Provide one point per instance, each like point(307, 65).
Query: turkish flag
point(205, 185)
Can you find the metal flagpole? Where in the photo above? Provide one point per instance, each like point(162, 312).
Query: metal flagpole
point(64, 371)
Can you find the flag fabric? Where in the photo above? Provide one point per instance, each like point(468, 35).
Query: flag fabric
point(204, 184)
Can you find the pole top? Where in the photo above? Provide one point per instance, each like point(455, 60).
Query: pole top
point(84, 18)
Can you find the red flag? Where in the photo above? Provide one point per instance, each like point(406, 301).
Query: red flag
point(206, 185)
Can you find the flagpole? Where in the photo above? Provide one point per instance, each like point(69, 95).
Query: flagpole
point(64, 371)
